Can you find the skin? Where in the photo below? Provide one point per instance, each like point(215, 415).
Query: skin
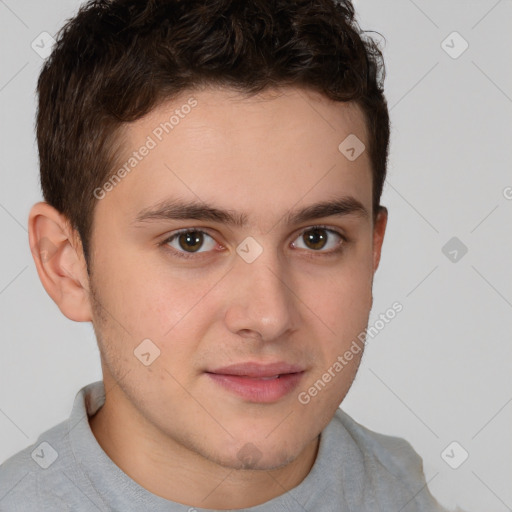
point(167, 425)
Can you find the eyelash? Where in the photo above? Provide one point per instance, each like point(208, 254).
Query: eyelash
point(186, 255)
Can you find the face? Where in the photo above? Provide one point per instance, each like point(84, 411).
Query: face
point(254, 284)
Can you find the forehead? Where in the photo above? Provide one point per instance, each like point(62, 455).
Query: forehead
point(262, 153)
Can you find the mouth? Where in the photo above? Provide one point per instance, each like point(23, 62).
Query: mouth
point(258, 383)
point(258, 370)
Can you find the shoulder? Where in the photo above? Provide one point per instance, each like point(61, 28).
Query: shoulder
point(50, 475)
point(31, 474)
point(394, 453)
point(390, 465)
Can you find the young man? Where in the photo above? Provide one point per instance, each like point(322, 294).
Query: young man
point(212, 173)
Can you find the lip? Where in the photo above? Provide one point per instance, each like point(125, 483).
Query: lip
point(253, 381)
point(256, 389)
point(258, 370)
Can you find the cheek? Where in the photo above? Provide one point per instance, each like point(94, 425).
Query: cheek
point(341, 297)
point(174, 303)
point(348, 304)
point(141, 298)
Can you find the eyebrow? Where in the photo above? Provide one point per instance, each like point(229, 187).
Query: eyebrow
point(175, 209)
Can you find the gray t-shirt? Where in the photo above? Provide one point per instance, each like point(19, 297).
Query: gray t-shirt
point(355, 470)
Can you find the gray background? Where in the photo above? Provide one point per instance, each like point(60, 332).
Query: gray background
point(437, 373)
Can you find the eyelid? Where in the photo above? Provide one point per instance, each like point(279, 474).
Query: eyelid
point(184, 254)
point(337, 251)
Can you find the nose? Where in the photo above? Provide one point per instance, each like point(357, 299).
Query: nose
point(262, 302)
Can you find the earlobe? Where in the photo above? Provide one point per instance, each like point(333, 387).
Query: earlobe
point(378, 235)
point(59, 261)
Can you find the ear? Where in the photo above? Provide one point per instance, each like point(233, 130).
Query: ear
point(379, 230)
point(57, 252)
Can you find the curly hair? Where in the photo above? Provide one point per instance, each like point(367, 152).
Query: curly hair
point(117, 60)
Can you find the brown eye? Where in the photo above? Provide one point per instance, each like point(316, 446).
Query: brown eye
point(318, 238)
point(315, 238)
point(190, 240)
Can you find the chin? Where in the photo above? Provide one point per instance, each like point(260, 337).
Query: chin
point(254, 456)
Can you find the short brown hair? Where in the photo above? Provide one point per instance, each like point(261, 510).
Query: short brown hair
point(117, 60)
